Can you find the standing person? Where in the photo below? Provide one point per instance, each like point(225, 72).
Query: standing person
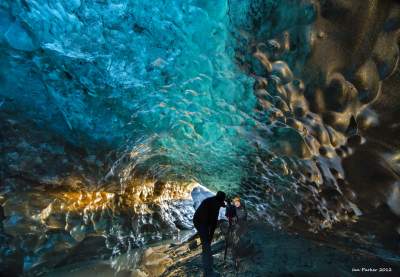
point(240, 240)
point(240, 213)
point(230, 214)
point(205, 221)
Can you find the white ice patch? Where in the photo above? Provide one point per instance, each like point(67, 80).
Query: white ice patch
point(200, 193)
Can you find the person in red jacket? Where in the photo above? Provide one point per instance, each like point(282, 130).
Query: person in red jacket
point(205, 221)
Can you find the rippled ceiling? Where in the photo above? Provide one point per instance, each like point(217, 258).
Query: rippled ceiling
point(111, 112)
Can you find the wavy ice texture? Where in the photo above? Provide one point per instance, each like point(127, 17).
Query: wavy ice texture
point(96, 94)
point(119, 71)
point(114, 108)
point(134, 88)
point(116, 74)
point(154, 83)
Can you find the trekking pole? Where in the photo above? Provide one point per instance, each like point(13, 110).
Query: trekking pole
point(228, 237)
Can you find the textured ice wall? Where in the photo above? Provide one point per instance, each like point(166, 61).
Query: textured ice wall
point(114, 72)
point(97, 93)
point(93, 90)
point(156, 89)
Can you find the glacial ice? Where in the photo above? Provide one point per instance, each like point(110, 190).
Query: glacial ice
point(106, 71)
point(116, 108)
point(18, 38)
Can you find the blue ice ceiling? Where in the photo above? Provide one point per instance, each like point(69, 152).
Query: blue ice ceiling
point(125, 73)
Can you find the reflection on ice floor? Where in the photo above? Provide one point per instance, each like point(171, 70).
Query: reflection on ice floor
point(276, 252)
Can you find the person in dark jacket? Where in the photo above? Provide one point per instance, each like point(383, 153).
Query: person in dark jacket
point(205, 221)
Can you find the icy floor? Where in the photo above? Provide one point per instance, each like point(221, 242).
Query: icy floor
point(277, 254)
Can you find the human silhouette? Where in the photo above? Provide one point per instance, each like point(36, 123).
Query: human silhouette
point(205, 221)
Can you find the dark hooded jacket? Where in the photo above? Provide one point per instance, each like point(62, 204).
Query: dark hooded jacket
point(207, 212)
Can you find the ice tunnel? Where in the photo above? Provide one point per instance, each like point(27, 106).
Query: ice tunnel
point(117, 117)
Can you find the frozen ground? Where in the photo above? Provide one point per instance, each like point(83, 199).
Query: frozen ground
point(276, 253)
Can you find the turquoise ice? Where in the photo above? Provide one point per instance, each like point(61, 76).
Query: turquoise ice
point(116, 73)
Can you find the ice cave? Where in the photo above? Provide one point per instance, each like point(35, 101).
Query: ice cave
point(119, 117)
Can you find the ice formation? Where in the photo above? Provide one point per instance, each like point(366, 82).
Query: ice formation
point(112, 111)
